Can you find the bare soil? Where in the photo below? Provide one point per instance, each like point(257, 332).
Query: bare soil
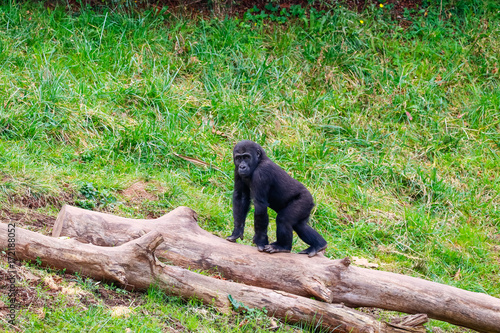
point(137, 192)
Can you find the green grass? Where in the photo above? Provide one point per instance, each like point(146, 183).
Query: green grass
point(395, 131)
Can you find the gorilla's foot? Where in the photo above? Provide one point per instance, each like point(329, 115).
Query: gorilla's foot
point(273, 248)
point(261, 248)
point(312, 251)
point(233, 238)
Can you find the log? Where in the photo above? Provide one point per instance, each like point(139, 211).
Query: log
point(133, 265)
point(188, 245)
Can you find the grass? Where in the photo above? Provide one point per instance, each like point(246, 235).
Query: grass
point(395, 129)
point(83, 305)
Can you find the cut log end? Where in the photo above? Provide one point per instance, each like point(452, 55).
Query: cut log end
point(59, 224)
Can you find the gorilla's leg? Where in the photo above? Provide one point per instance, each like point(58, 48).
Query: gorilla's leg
point(284, 235)
point(260, 226)
point(311, 237)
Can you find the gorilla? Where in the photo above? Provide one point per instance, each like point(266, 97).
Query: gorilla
point(258, 179)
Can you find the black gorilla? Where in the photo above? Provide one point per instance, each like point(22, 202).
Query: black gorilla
point(259, 179)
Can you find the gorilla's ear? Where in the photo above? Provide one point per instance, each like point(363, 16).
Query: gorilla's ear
point(259, 153)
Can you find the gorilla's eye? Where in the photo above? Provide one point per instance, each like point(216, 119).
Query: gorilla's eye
point(245, 157)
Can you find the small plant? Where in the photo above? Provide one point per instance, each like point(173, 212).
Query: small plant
point(87, 283)
point(271, 8)
point(249, 312)
point(252, 16)
point(89, 191)
point(95, 197)
point(113, 287)
point(274, 13)
point(297, 11)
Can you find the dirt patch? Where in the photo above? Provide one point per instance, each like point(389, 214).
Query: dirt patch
point(30, 220)
point(26, 294)
point(138, 192)
point(33, 200)
point(114, 298)
point(28, 282)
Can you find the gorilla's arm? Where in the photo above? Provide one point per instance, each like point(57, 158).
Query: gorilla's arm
point(241, 206)
point(261, 190)
point(261, 222)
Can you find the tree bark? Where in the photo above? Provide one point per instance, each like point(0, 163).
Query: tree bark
point(134, 266)
point(187, 245)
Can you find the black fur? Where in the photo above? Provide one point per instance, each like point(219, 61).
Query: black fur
point(258, 179)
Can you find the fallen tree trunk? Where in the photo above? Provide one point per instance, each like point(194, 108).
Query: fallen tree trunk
point(134, 266)
point(187, 245)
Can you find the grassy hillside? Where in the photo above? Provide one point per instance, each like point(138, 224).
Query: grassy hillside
point(393, 125)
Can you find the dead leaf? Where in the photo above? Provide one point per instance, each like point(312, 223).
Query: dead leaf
point(40, 312)
point(216, 132)
point(196, 161)
point(73, 289)
point(193, 160)
point(120, 311)
point(439, 80)
point(206, 121)
point(26, 275)
point(363, 262)
point(49, 282)
point(274, 325)
point(457, 275)
point(193, 60)
point(179, 45)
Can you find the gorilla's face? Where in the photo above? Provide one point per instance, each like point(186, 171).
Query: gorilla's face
point(246, 156)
